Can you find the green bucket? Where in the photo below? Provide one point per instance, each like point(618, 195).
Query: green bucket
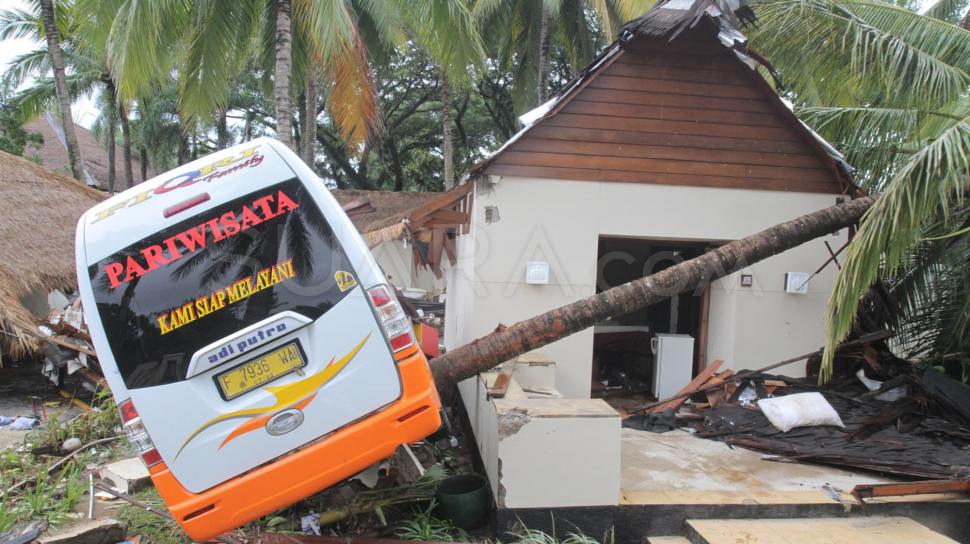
point(463, 500)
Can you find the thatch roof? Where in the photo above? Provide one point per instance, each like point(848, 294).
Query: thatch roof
point(53, 153)
point(36, 242)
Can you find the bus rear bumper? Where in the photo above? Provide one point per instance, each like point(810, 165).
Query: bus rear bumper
point(316, 466)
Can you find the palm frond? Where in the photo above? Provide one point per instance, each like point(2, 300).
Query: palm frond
point(447, 30)
point(864, 51)
point(140, 43)
point(335, 41)
point(26, 66)
point(934, 181)
point(947, 10)
point(219, 39)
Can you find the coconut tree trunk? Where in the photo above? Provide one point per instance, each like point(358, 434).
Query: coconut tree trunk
point(222, 130)
point(126, 145)
point(284, 67)
point(112, 99)
point(447, 143)
point(143, 160)
point(60, 87)
point(508, 342)
point(310, 125)
point(543, 53)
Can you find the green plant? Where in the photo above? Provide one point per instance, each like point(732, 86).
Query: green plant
point(152, 527)
point(523, 535)
point(424, 526)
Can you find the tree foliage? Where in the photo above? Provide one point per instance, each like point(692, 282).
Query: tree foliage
point(889, 86)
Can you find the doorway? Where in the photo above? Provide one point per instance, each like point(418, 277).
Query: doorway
point(623, 361)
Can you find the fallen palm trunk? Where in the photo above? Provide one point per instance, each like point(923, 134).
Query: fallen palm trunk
point(506, 343)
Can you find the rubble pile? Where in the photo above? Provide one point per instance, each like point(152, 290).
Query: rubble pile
point(897, 419)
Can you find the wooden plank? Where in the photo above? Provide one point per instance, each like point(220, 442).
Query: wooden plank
point(662, 59)
point(855, 530)
point(582, 106)
point(581, 146)
point(675, 87)
point(448, 216)
point(565, 160)
point(501, 384)
point(926, 487)
point(693, 47)
point(676, 100)
point(671, 127)
point(708, 497)
point(690, 142)
point(676, 73)
point(594, 174)
point(694, 384)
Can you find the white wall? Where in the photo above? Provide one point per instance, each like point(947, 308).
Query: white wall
point(397, 261)
point(560, 221)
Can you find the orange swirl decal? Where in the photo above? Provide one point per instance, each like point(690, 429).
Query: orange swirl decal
point(292, 395)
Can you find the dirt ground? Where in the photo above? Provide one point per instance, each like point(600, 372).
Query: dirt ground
point(24, 391)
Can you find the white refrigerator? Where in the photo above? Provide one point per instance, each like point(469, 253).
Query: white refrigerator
point(673, 363)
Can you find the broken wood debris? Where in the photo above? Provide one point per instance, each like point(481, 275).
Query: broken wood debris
point(920, 432)
point(925, 487)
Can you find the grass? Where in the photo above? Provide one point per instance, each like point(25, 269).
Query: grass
point(151, 527)
point(53, 495)
point(101, 422)
point(425, 527)
point(523, 535)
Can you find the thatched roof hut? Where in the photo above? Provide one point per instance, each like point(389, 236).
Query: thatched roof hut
point(377, 213)
point(36, 244)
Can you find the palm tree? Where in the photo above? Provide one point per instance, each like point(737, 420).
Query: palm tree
point(524, 34)
point(447, 30)
point(284, 69)
point(60, 84)
point(45, 25)
point(83, 53)
point(890, 87)
point(211, 41)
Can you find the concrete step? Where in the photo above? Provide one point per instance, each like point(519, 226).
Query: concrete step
point(667, 540)
point(855, 530)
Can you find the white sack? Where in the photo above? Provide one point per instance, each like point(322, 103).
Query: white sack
point(800, 410)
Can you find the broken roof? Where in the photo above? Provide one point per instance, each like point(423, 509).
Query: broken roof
point(667, 20)
point(373, 210)
point(37, 246)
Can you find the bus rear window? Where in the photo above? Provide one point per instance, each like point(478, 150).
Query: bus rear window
point(185, 287)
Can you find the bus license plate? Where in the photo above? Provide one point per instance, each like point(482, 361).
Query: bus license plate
point(255, 373)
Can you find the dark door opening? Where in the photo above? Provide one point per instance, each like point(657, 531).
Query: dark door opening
point(623, 362)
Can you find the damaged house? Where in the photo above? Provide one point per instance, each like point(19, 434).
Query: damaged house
point(411, 234)
point(37, 247)
point(668, 144)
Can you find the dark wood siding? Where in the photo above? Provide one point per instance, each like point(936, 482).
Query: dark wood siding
point(682, 113)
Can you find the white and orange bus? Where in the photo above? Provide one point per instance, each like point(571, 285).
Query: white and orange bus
point(248, 336)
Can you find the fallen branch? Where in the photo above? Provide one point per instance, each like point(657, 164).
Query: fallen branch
point(65, 459)
point(497, 347)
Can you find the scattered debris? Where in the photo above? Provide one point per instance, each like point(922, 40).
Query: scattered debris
point(865, 491)
point(127, 475)
point(919, 431)
point(98, 531)
point(20, 423)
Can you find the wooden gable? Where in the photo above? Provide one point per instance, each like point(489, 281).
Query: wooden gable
point(686, 112)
